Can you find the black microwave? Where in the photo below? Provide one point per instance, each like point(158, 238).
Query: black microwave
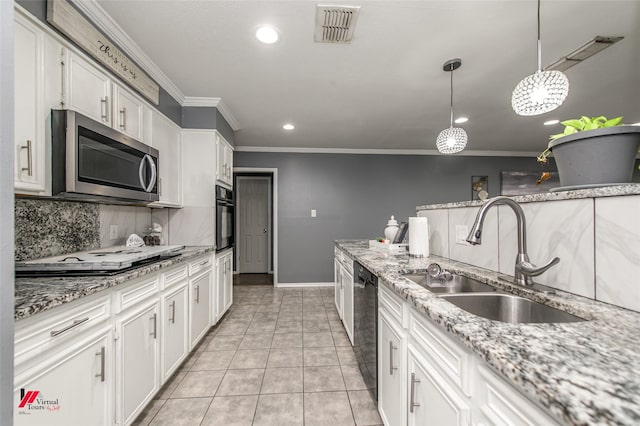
point(94, 162)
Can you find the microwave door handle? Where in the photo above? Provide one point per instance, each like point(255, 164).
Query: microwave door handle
point(141, 172)
point(154, 174)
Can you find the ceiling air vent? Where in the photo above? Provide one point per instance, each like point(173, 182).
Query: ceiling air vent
point(335, 24)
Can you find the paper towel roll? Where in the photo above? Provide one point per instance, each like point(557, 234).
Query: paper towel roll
point(418, 237)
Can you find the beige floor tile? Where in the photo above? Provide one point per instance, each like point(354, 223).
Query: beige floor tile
point(231, 411)
point(241, 382)
point(224, 343)
point(314, 326)
point(346, 355)
point(217, 360)
point(280, 410)
point(285, 357)
point(316, 340)
point(317, 357)
point(198, 384)
point(182, 412)
point(288, 327)
point(149, 412)
point(353, 377)
point(322, 379)
point(327, 408)
point(287, 340)
point(250, 358)
point(256, 341)
point(364, 408)
point(171, 385)
point(282, 380)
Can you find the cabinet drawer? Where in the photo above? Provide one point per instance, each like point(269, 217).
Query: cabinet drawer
point(38, 334)
point(136, 293)
point(453, 359)
point(174, 276)
point(199, 265)
point(392, 303)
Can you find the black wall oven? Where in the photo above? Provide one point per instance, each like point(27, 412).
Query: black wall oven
point(225, 211)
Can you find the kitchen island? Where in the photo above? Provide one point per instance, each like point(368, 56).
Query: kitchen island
point(579, 373)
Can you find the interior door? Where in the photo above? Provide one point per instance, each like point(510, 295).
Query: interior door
point(254, 225)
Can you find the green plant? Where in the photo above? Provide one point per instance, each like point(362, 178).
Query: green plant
point(579, 125)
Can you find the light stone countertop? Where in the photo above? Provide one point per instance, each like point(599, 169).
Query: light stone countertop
point(608, 191)
point(35, 295)
point(582, 373)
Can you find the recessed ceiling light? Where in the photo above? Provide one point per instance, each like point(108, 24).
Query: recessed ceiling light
point(461, 120)
point(288, 126)
point(267, 34)
point(551, 122)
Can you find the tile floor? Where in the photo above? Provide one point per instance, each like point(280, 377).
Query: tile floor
point(278, 357)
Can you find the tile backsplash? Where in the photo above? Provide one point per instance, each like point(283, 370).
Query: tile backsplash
point(46, 228)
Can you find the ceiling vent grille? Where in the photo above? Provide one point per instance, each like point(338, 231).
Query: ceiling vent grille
point(335, 24)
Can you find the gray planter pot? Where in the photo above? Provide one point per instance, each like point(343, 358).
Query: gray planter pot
point(597, 157)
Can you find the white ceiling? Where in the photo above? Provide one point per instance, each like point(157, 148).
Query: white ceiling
point(387, 90)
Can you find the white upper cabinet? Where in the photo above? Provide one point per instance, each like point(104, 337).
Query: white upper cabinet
point(128, 113)
point(30, 113)
point(224, 161)
point(199, 177)
point(166, 137)
point(87, 89)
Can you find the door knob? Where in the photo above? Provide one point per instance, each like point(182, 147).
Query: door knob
point(264, 230)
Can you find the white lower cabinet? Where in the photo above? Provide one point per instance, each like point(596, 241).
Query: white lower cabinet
point(71, 387)
point(432, 400)
point(347, 307)
point(339, 290)
point(392, 370)
point(431, 379)
point(200, 300)
point(175, 336)
point(137, 359)
point(224, 282)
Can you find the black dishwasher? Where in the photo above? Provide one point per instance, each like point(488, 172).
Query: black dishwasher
point(365, 319)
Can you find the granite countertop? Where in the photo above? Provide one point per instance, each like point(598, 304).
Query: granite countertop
point(582, 373)
point(608, 191)
point(35, 295)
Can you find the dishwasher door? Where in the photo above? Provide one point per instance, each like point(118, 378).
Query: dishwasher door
point(365, 306)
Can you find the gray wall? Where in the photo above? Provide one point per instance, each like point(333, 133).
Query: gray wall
point(207, 118)
point(6, 212)
point(355, 194)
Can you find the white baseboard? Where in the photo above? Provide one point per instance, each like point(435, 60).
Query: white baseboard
point(283, 285)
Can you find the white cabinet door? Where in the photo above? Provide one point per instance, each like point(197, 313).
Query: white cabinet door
point(72, 387)
point(30, 114)
point(432, 401)
point(224, 161)
point(500, 405)
point(347, 302)
point(175, 335)
point(228, 283)
point(200, 299)
point(128, 113)
point(167, 139)
point(391, 371)
point(338, 286)
point(199, 178)
point(224, 283)
point(137, 360)
point(88, 90)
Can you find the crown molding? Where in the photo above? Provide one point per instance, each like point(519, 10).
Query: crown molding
point(218, 103)
point(103, 21)
point(299, 150)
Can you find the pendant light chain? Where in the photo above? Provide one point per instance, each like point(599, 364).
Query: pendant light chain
point(451, 98)
point(539, 41)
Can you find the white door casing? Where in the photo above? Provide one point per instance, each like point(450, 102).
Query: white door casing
point(254, 227)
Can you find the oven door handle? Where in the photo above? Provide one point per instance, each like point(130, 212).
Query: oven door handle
point(152, 165)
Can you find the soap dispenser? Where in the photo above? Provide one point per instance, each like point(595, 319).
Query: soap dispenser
point(391, 230)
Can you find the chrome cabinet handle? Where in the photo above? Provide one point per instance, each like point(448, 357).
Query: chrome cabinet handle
point(173, 312)
point(29, 148)
point(123, 118)
point(104, 108)
point(412, 402)
point(154, 333)
point(101, 354)
point(391, 349)
point(76, 323)
point(197, 289)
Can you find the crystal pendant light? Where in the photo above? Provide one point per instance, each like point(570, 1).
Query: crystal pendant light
point(453, 139)
point(542, 91)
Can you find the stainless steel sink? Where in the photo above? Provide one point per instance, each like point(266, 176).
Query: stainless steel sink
point(509, 308)
point(458, 284)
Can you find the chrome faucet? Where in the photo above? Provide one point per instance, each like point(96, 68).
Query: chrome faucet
point(524, 269)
